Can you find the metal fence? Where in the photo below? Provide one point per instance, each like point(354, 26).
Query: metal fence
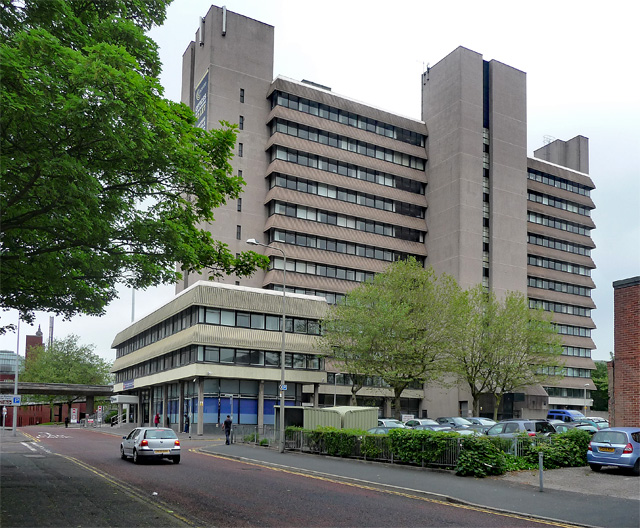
point(373, 447)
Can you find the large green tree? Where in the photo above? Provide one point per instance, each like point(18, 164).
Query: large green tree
point(65, 361)
point(103, 180)
point(600, 377)
point(396, 327)
point(502, 346)
point(525, 347)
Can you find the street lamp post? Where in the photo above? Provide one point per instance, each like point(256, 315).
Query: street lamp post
point(254, 242)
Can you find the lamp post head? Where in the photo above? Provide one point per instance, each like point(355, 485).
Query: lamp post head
point(253, 242)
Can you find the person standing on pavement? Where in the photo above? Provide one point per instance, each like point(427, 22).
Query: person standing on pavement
point(227, 428)
point(156, 420)
point(186, 423)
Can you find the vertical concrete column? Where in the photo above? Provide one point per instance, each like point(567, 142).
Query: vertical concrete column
point(316, 395)
point(181, 407)
point(165, 406)
point(261, 404)
point(387, 407)
point(200, 406)
point(120, 420)
point(152, 405)
point(90, 405)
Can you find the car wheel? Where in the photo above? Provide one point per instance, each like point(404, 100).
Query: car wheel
point(122, 455)
point(136, 458)
point(595, 467)
point(176, 459)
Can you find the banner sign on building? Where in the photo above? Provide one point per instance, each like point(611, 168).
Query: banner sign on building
point(202, 91)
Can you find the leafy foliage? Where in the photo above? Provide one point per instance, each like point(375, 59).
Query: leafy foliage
point(396, 327)
point(502, 346)
point(420, 447)
point(562, 450)
point(66, 361)
point(479, 458)
point(600, 378)
point(102, 179)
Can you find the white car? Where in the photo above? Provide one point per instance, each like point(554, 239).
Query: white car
point(144, 443)
point(389, 422)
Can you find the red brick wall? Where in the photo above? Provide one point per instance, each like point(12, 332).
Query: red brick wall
point(625, 370)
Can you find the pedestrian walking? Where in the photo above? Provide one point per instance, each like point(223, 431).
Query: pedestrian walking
point(156, 420)
point(227, 428)
point(66, 421)
point(186, 423)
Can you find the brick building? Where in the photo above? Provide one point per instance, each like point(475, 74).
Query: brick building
point(624, 369)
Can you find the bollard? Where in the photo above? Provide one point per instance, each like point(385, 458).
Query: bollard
point(540, 469)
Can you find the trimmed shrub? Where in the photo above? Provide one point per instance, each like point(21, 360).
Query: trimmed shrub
point(480, 457)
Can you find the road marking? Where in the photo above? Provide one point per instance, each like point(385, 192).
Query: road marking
point(28, 446)
point(129, 490)
point(363, 484)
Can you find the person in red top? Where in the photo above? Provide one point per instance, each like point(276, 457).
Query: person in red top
point(156, 420)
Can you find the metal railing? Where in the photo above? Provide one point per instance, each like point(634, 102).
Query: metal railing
point(375, 447)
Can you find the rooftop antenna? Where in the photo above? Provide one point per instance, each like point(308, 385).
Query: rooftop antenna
point(547, 139)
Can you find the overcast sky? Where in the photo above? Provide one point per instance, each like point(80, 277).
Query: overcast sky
point(580, 58)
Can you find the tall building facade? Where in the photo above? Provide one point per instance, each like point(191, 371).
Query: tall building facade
point(345, 189)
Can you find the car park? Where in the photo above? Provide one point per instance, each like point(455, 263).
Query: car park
point(454, 421)
point(420, 421)
point(615, 446)
point(563, 427)
point(513, 428)
point(436, 427)
point(145, 443)
point(601, 423)
point(482, 424)
point(382, 429)
point(592, 423)
point(389, 422)
point(566, 415)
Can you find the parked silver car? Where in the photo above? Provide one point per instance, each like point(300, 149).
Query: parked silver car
point(145, 443)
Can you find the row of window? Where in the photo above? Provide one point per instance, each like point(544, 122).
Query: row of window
point(569, 372)
point(344, 143)
point(558, 265)
point(337, 246)
point(565, 205)
point(560, 245)
point(360, 224)
point(560, 183)
point(258, 358)
point(556, 223)
point(321, 270)
point(545, 284)
point(576, 351)
point(207, 354)
point(260, 321)
point(346, 118)
point(569, 309)
point(346, 169)
point(573, 330)
point(337, 378)
point(330, 297)
point(206, 315)
point(563, 392)
point(345, 195)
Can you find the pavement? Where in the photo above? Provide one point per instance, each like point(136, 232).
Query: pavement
point(575, 496)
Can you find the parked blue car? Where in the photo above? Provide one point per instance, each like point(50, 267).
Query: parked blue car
point(615, 446)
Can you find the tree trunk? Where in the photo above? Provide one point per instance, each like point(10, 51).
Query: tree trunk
point(498, 399)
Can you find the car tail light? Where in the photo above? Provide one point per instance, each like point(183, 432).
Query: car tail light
point(177, 442)
point(628, 448)
point(144, 443)
point(531, 433)
point(589, 448)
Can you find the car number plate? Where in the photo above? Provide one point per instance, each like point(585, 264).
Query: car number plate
point(606, 449)
point(161, 451)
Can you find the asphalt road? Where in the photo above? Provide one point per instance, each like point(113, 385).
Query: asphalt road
point(75, 477)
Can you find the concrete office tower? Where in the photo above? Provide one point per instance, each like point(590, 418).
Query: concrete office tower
point(345, 188)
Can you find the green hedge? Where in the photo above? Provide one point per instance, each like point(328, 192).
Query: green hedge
point(479, 456)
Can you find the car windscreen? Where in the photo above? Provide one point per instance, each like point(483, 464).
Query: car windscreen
point(609, 437)
point(162, 434)
point(544, 427)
